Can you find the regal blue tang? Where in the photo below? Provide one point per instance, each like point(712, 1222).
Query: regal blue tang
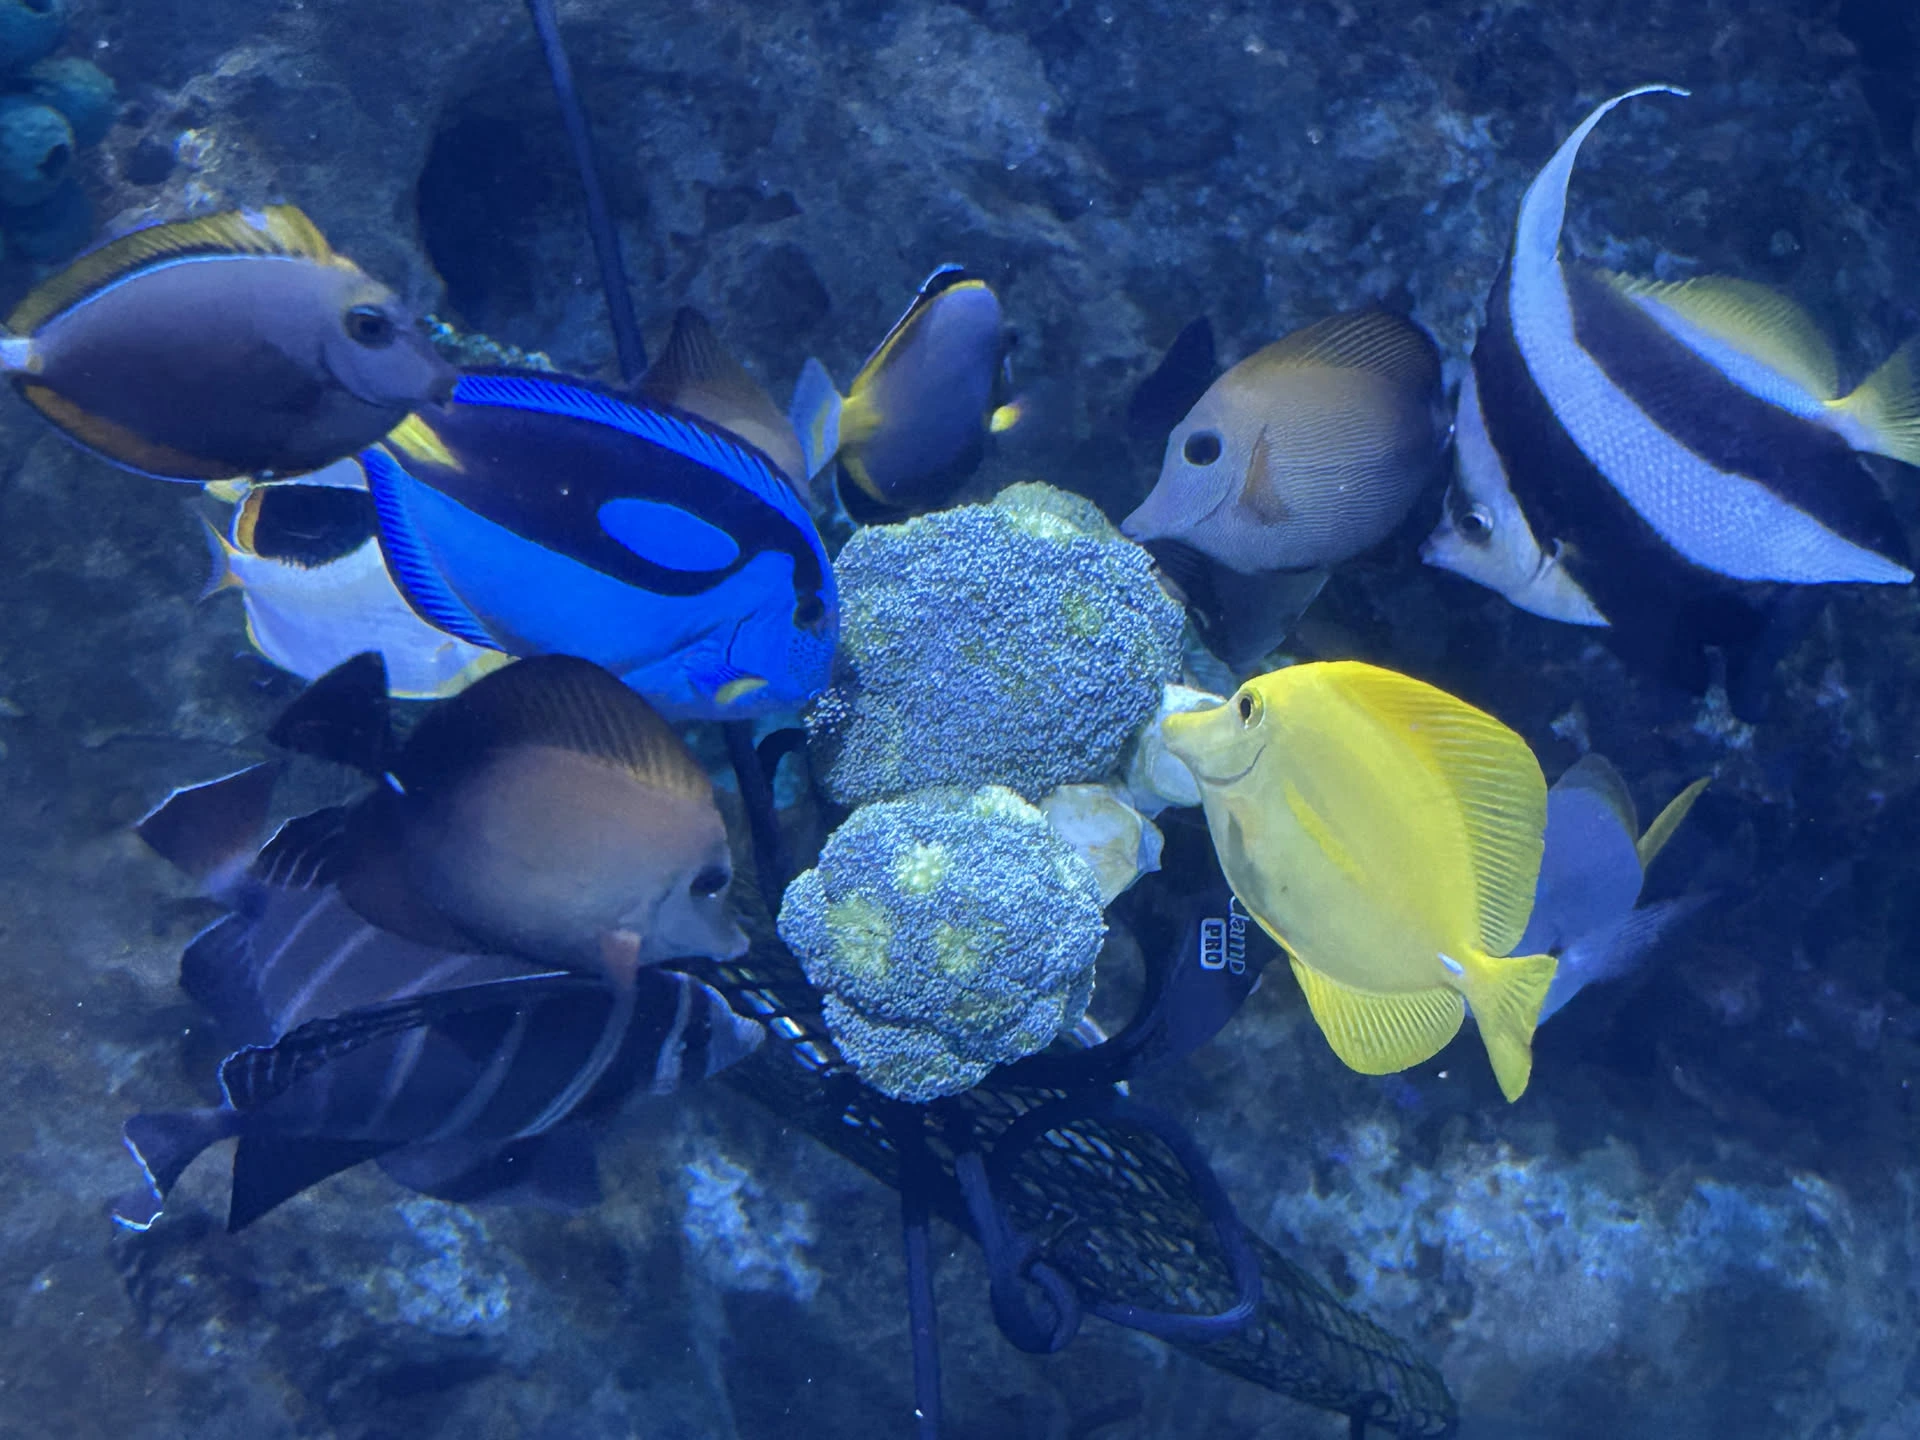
point(538, 514)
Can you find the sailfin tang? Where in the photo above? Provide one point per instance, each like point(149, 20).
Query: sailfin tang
point(343, 717)
point(815, 416)
point(277, 230)
point(1887, 406)
point(1380, 1034)
point(268, 1171)
point(209, 831)
point(1668, 821)
point(167, 1142)
point(1492, 774)
point(1506, 996)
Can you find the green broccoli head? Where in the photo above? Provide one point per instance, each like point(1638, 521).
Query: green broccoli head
point(1020, 643)
point(949, 932)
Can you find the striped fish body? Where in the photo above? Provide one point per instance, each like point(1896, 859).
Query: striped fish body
point(458, 1071)
point(1670, 497)
point(539, 515)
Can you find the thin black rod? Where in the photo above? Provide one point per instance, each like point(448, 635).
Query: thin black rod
point(916, 1216)
point(770, 863)
point(627, 343)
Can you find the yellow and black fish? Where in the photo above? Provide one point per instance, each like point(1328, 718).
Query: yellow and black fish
point(913, 424)
point(236, 345)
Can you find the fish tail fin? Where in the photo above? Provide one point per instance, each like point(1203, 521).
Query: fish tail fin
point(1885, 410)
point(164, 1144)
point(815, 416)
point(210, 831)
point(1506, 996)
point(18, 355)
point(220, 551)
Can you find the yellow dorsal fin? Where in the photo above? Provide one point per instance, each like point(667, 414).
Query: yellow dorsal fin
point(1374, 340)
point(1380, 1034)
point(1506, 996)
point(1491, 774)
point(277, 230)
point(943, 279)
point(1887, 406)
point(1595, 773)
point(1668, 821)
point(1758, 322)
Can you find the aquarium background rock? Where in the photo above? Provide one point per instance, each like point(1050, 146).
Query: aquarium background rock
point(1700, 1221)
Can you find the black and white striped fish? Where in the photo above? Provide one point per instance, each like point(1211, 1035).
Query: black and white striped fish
point(1659, 459)
point(460, 1092)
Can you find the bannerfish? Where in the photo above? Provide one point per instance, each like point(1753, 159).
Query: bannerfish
point(913, 424)
point(1656, 458)
point(546, 811)
point(694, 372)
point(477, 1090)
point(306, 561)
point(1389, 837)
point(236, 345)
point(537, 514)
point(1591, 874)
point(1309, 451)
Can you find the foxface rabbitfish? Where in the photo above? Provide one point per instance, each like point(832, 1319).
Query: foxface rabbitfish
point(304, 556)
point(1659, 459)
point(234, 345)
point(545, 811)
point(914, 421)
point(542, 515)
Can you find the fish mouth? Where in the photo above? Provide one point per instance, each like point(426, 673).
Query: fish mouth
point(1233, 779)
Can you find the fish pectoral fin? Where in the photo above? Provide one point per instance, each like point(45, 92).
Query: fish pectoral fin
point(1887, 405)
point(1668, 820)
point(1379, 1034)
point(1506, 996)
point(620, 956)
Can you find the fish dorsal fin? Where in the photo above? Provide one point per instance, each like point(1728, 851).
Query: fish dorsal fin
point(343, 717)
point(1759, 322)
point(1668, 821)
point(560, 702)
point(693, 360)
point(698, 374)
point(943, 278)
point(277, 230)
point(1595, 773)
point(1492, 776)
point(1374, 340)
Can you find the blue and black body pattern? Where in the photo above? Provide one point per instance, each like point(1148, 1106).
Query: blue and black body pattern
point(538, 514)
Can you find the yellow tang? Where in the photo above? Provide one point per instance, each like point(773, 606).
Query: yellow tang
point(1389, 836)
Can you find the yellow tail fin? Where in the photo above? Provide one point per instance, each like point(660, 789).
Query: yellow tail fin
point(1506, 996)
point(1886, 408)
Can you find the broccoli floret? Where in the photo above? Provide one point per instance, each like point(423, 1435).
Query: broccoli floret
point(948, 933)
point(1020, 643)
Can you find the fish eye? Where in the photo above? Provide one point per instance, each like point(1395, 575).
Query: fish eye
point(1202, 448)
point(370, 326)
point(1248, 707)
point(711, 881)
point(1475, 524)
